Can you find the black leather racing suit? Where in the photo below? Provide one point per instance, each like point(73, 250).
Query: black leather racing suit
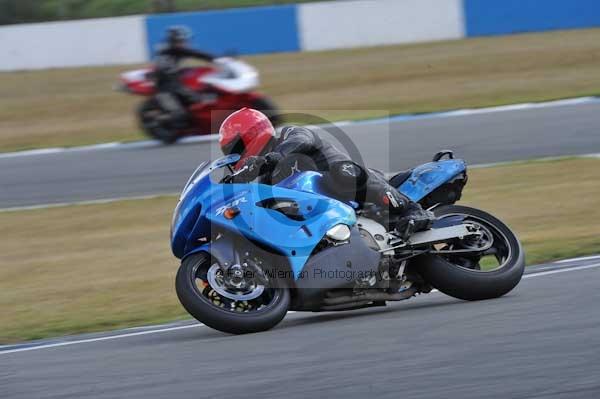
point(299, 148)
point(172, 95)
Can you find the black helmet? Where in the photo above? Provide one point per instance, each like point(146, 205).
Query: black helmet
point(178, 35)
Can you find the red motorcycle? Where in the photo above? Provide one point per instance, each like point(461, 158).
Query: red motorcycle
point(224, 88)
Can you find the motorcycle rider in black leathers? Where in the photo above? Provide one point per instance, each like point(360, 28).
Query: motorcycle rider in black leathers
point(172, 95)
point(300, 149)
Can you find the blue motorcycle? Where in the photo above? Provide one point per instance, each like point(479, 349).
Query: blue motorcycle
point(251, 252)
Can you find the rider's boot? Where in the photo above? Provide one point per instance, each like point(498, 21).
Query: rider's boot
point(413, 219)
point(176, 114)
point(405, 216)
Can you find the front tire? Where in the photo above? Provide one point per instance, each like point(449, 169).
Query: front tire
point(220, 317)
point(466, 280)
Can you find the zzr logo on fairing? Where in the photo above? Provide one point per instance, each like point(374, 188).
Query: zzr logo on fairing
point(229, 205)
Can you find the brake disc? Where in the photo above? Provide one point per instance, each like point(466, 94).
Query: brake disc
point(217, 282)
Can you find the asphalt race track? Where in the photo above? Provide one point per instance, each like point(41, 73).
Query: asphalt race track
point(540, 341)
point(147, 169)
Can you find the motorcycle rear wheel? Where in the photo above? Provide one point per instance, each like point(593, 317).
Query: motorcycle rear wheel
point(148, 113)
point(467, 279)
point(204, 303)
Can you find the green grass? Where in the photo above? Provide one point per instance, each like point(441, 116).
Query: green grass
point(66, 107)
point(95, 267)
point(19, 11)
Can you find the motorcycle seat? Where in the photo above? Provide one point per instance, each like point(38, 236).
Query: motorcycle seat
point(400, 177)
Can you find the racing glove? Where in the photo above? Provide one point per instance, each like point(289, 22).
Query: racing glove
point(250, 169)
point(271, 161)
point(256, 166)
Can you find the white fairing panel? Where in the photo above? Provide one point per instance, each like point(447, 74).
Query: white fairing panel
point(234, 76)
point(137, 75)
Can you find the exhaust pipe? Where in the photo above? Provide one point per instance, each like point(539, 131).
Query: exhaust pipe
point(369, 297)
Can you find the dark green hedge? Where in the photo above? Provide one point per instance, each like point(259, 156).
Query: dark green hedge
point(22, 11)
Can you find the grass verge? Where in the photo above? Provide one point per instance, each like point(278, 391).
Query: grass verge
point(56, 10)
point(96, 267)
point(66, 107)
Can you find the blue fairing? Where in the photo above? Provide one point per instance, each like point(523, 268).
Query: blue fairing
point(203, 202)
point(200, 211)
point(426, 178)
point(308, 182)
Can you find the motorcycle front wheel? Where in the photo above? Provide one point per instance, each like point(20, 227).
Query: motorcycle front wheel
point(491, 273)
point(205, 293)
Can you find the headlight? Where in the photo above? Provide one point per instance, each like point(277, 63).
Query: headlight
point(339, 232)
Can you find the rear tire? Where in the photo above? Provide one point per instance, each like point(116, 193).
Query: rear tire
point(468, 284)
point(154, 129)
point(217, 317)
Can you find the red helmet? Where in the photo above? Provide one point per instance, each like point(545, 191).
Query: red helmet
point(246, 132)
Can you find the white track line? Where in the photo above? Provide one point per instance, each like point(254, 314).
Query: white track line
point(107, 146)
point(88, 202)
point(568, 269)
point(168, 329)
point(489, 110)
point(543, 159)
point(152, 196)
point(99, 339)
point(578, 259)
point(392, 118)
